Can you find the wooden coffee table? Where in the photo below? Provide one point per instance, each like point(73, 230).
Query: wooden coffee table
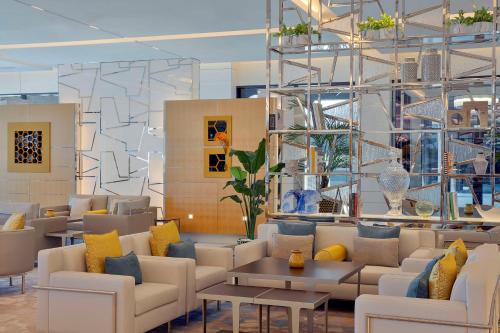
point(314, 272)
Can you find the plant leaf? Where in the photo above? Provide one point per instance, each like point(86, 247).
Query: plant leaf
point(277, 168)
point(259, 188)
point(260, 156)
point(233, 197)
point(245, 158)
point(238, 173)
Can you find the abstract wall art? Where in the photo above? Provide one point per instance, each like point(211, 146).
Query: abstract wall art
point(28, 147)
point(217, 163)
point(215, 128)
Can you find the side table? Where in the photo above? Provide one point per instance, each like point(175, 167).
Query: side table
point(65, 235)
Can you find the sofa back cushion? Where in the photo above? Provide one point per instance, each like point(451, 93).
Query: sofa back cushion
point(97, 202)
point(31, 210)
point(112, 198)
point(139, 243)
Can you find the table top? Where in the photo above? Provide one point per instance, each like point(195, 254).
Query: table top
point(313, 271)
point(288, 297)
point(230, 292)
point(65, 233)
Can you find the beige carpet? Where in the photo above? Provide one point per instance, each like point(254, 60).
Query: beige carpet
point(18, 314)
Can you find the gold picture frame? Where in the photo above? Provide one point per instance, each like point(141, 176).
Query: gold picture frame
point(217, 163)
point(214, 125)
point(28, 147)
point(481, 108)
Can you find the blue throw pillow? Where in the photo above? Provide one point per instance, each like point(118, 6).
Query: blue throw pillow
point(296, 229)
point(419, 287)
point(367, 231)
point(182, 250)
point(126, 265)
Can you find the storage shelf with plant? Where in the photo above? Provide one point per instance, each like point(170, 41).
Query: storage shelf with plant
point(297, 35)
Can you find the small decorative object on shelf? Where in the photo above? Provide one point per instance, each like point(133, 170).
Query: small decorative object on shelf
point(424, 208)
point(50, 213)
point(431, 66)
point(480, 164)
point(296, 259)
point(394, 182)
point(308, 202)
point(449, 162)
point(458, 118)
point(409, 70)
point(469, 209)
point(290, 201)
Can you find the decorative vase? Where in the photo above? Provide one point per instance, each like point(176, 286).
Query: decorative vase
point(290, 201)
point(431, 65)
point(480, 164)
point(409, 70)
point(308, 202)
point(424, 208)
point(50, 213)
point(296, 259)
point(394, 182)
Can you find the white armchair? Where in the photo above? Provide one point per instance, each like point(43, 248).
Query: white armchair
point(71, 300)
point(472, 307)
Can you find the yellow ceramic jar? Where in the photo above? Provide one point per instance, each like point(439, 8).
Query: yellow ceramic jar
point(50, 213)
point(296, 259)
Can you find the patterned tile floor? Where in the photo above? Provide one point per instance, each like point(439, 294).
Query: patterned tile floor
point(18, 314)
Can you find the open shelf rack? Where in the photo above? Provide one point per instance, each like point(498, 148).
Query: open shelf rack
point(342, 88)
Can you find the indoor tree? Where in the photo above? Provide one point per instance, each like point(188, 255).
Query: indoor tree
point(250, 190)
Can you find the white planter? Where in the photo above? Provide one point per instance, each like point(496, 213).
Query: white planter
point(457, 28)
point(486, 26)
point(387, 33)
point(371, 34)
point(480, 164)
point(302, 39)
point(286, 41)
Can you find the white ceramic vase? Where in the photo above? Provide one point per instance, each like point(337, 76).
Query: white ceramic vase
point(480, 164)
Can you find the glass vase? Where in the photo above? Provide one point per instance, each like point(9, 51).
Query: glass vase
point(394, 182)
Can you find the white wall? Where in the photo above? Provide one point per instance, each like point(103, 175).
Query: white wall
point(28, 82)
point(216, 81)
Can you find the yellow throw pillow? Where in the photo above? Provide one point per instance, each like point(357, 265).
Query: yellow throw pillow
point(335, 252)
point(97, 212)
point(460, 252)
point(15, 222)
point(100, 247)
point(161, 236)
point(443, 277)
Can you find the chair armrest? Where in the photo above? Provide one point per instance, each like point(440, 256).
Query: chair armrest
point(49, 224)
point(405, 307)
point(60, 208)
point(124, 224)
point(249, 252)
point(214, 256)
point(395, 284)
point(96, 291)
point(414, 265)
point(426, 253)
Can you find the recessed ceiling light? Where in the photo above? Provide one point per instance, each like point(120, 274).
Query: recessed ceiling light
point(93, 27)
point(37, 8)
point(155, 48)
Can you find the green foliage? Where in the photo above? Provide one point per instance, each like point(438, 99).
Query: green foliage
point(250, 191)
point(385, 21)
point(299, 29)
point(480, 15)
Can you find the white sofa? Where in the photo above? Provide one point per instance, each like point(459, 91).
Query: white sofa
point(70, 300)
point(410, 240)
point(210, 268)
point(473, 302)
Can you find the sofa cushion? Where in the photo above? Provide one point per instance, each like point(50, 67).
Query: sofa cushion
point(131, 207)
point(182, 250)
point(296, 228)
point(99, 247)
point(161, 236)
point(443, 277)
point(283, 245)
point(460, 251)
point(79, 206)
point(368, 231)
point(336, 252)
point(378, 252)
point(125, 265)
point(419, 286)
point(144, 199)
point(15, 222)
point(75, 226)
point(149, 296)
point(207, 276)
point(371, 274)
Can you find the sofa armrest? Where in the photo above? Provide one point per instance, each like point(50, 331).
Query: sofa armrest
point(60, 208)
point(407, 308)
point(124, 224)
point(249, 252)
point(414, 265)
point(395, 284)
point(45, 225)
point(214, 256)
point(96, 292)
point(426, 253)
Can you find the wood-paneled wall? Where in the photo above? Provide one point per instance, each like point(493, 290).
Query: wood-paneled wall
point(187, 190)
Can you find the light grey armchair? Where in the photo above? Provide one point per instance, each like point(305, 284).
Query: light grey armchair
point(45, 225)
point(124, 224)
point(17, 253)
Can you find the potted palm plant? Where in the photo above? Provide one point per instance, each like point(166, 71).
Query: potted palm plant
point(250, 191)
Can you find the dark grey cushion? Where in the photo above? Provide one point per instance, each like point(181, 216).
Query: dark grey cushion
point(367, 231)
point(182, 250)
point(125, 265)
point(419, 286)
point(296, 228)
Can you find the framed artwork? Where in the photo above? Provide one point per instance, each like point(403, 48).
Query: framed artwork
point(217, 128)
point(28, 147)
point(478, 110)
point(217, 163)
point(458, 118)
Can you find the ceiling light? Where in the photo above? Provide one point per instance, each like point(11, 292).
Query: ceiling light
point(155, 48)
point(93, 27)
point(37, 8)
point(326, 13)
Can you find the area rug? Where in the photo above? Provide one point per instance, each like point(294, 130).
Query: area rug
point(18, 314)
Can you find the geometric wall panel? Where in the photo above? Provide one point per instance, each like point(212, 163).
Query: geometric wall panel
point(120, 136)
point(29, 147)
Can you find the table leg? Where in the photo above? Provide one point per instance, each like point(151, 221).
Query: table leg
point(204, 315)
point(236, 280)
point(260, 318)
point(288, 284)
point(326, 317)
point(236, 317)
point(72, 240)
point(63, 241)
point(310, 321)
point(268, 310)
point(359, 283)
point(294, 320)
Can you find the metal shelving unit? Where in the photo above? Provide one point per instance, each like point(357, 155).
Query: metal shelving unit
point(342, 63)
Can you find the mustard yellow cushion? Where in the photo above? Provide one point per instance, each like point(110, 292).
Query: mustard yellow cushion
point(161, 236)
point(335, 252)
point(460, 252)
point(15, 222)
point(443, 277)
point(100, 247)
point(97, 212)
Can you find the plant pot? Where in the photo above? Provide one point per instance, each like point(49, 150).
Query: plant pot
point(243, 241)
point(486, 26)
point(370, 34)
point(286, 41)
point(387, 33)
point(302, 40)
point(456, 28)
